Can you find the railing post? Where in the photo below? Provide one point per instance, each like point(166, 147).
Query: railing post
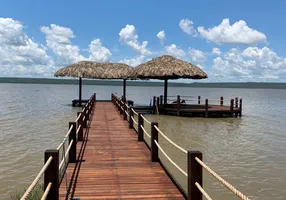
point(52, 174)
point(154, 148)
point(161, 100)
point(94, 97)
point(207, 108)
point(158, 104)
point(121, 108)
point(87, 111)
point(124, 112)
point(231, 107)
point(240, 107)
point(178, 105)
point(119, 104)
point(79, 123)
point(221, 101)
point(236, 106)
point(195, 174)
point(154, 104)
point(72, 136)
point(84, 122)
point(199, 99)
point(131, 114)
point(140, 130)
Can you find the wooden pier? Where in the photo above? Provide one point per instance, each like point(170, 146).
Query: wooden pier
point(114, 165)
point(194, 107)
point(105, 155)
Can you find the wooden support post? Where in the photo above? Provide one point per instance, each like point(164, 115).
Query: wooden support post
point(131, 114)
point(195, 174)
point(140, 130)
point(240, 107)
point(161, 100)
point(207, 108)
point(154, 148)
point(199, 99)
point(178, 105)
point(87, 111)
point(52, 174)
point(124, 111)
point(231, 107)
point(121, 108)
point(236, 106)
point(154, 105)
point(118, 108)
point(85, 119)
point(221, 101)
point(158, 101)
point(80, 124)
point(72, 136)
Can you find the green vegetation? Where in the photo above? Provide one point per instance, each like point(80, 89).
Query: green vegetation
point(36, 193)
point(144, 83)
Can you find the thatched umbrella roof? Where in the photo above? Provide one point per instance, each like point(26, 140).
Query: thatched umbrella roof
point(95, 70)
point(167, 67)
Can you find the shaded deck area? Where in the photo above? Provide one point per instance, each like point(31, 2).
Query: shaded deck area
point(114, 165)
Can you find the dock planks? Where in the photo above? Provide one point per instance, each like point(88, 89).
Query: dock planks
point(114, 165)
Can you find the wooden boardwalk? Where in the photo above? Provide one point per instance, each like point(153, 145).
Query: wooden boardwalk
point(114, 165)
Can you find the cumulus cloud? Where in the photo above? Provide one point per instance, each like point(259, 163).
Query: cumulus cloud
point(216, 51)
point(98, 52)
point(129, 36)
point(20, 55)
point(58, 40)
point(197, 55)
point(237, 33)
point(187, 26)
point(175, 51)
point(251, 64)
point(161, 36)
point(133, 61)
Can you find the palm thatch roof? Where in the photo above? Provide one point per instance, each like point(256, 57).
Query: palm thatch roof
point(167, 67)
point(96, 70)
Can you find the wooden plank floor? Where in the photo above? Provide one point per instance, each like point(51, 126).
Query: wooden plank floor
point(114, 164)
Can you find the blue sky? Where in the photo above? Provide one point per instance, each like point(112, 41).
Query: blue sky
point(237, 41)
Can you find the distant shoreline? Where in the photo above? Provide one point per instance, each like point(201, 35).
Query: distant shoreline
point(258, 85)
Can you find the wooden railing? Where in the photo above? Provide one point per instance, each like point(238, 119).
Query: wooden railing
point(234, 104)
point(54, 168)
point(195, 164)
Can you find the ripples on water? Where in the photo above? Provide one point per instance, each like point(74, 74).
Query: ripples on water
point(248, 152)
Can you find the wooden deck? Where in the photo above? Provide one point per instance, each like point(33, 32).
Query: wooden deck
point(114, 165)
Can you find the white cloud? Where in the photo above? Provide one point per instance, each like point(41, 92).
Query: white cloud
point(129, 36)
point(58, 40)
point(251, 64)
point(98, 52)
point(161, 36)
point(197, 55)
point(20, 55)
point(133, 61)
point(216, 51)
point(237, 33)
point(175, 51)
point(187, 26)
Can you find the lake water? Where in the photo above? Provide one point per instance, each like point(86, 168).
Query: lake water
point(249, 152)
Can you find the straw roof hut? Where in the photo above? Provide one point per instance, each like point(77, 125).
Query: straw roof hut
point(167, 67)
point(96, 70)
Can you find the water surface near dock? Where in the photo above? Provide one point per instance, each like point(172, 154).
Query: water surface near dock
point(248, 152)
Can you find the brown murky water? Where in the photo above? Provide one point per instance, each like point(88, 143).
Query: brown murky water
point(248, 152)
